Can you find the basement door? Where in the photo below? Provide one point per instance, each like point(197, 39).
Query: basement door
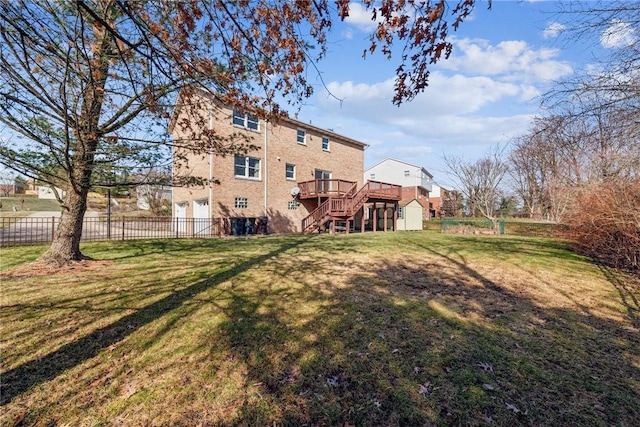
point(200, 216)
point(181, 217)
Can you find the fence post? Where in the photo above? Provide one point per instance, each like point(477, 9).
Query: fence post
point(53, 227)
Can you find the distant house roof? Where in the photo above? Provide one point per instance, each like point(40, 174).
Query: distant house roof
point(389, 159)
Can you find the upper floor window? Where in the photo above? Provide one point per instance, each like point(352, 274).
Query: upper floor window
point(325, 143)
point(372, 176)
point(290, 171)
point(245, 120)
point(407, 173)
point(247, 167)
point(301, 136)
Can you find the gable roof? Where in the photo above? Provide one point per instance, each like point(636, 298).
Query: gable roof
point(389, 159)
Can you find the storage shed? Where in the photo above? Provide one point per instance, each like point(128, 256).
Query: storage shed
point(410, 215)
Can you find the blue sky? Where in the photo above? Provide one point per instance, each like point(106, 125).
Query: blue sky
point(485, 94)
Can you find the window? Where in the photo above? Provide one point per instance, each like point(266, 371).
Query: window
point(301, 136)
point(293, 205)
point(241, 203)
point(290, 171)
point(372, 176)
point(400, 212)
point(245, 120)
point(407, 173)
point(325, 143)
point(247, 167)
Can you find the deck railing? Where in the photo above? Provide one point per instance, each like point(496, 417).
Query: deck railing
point(325, 188)
point(315, 217)
point(383, 190)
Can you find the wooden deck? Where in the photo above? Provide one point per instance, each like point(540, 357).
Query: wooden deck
point(338, 200)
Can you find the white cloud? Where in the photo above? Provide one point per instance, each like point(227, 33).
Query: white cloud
point(618, 35)
point(553, 29)
point(513, 60)
point(445, 95)
point(448, 112)
point(360, 17)
point(480, 97)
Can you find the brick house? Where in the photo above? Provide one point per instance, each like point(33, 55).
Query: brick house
point(437, 197)
point(300, 177)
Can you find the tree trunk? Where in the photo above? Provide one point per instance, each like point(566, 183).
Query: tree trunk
point(86, 138)
point(66, 240)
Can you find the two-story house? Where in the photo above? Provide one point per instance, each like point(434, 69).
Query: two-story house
point(298, 178)
point(415, 180)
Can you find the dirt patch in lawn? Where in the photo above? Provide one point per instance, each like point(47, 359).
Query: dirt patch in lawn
point(41, 268)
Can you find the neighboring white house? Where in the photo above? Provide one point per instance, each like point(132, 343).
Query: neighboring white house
point(46, 192)
point(416, 182)
point(401, 173)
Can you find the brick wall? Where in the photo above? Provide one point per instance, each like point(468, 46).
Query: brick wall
point(420, 195)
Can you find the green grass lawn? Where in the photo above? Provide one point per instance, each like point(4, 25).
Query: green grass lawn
point(13, 205)
point(380, 329)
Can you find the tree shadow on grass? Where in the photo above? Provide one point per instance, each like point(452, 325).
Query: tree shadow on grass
point(430, 343)
point(628, 288)
point(20, 379)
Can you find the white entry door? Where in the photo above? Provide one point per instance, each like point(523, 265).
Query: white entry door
point(181, 217)
point(200, 216)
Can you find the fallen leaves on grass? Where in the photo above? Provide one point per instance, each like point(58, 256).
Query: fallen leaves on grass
point(40, 268)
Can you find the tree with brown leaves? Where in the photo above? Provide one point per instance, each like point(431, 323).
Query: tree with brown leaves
point(90, 84)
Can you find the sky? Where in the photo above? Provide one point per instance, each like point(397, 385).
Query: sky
point(485, 94)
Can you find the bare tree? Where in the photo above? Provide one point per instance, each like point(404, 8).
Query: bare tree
point(480, 181)
point(452, 203)
point(614, 25)
point(526, 174)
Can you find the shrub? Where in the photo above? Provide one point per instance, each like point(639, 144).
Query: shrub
point(605, 223)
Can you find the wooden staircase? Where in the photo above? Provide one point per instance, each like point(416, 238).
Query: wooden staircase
point(345, 206)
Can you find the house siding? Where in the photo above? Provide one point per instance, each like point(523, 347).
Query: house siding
point(345, 159)
point(416, 185)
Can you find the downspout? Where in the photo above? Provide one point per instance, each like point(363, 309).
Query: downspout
point(266, 174)
point(210, 163)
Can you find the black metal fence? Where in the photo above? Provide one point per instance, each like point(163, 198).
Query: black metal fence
point(24, 231)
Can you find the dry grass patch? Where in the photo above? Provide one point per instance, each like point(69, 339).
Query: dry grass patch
point(385, 329)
